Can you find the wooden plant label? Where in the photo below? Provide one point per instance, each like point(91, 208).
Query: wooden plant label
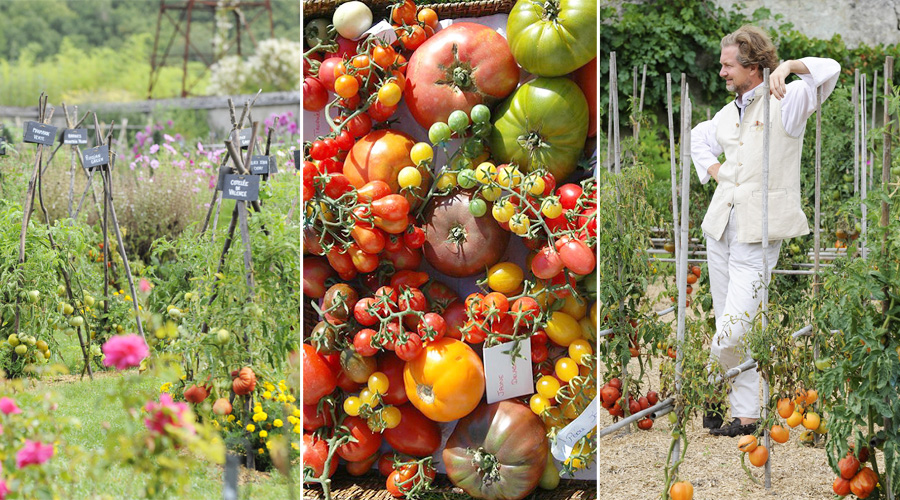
point(259, 164)
point(273, 165)
point(76, 136)
point(38, 133)
point(298, 163)
point(241, 187)
point(95, 157)
point(245, 137)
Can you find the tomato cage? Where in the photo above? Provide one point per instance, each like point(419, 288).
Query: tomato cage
point(683, 251)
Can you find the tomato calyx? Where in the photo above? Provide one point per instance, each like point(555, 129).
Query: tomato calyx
point(551, 10)
point(425, 393)
point(458, 74)
point(457, 235)
point(487, 464)
point(532, 141)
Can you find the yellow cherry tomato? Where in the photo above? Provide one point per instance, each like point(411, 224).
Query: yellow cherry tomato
point(579, 348)
point(391, 416)
point(551, 207)
point(505, 277)
point(447, 180)
point(547, 386)
point(563, 329)
point(491, 193)
point(378, 383)
point(409, 177)
point(566, 369)
point(574, 306)
point(503, 211)
point(519, 224)
point(368, 397)
point(594, 316)
point(485, 172)
point(351, 406)
point(538, 404)
point(534, 184)
point(346, 86)
point(421, 152)
point(509, 176)
point(389, 94)
point(588, 329)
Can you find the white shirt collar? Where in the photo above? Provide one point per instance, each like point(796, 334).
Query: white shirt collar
point(742, 101)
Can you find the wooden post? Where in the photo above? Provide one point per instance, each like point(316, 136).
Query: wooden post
point(885, 215)
point(855, 99)
point(864, 151)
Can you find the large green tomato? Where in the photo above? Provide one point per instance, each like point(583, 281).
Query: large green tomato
point(544, 123)
point(553, 37)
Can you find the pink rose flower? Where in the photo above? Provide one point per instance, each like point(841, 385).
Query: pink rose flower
point(168, 413)
point(8, 406)
point(125, 351)
point(33, 453)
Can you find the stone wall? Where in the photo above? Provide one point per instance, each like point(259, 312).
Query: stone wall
point(869, 22)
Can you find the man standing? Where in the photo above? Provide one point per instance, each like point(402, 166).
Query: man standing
point(733, 222)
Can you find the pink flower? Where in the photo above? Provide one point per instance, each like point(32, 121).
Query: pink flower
point(168, 137)
point(154, 148)
point(33, 453)
point(125, 351)
point(154, 164)
point(3, 490)
point(145, 286)
point(168, 413)
point(7, 406)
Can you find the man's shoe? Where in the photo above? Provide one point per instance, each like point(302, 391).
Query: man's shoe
point(713, 416)
point(735, 429)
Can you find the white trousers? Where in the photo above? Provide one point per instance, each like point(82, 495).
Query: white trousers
point(735, 277)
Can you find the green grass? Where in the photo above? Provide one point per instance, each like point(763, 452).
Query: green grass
point(86, 400)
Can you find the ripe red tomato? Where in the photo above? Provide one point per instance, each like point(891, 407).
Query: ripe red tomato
point(383, 55)
point(379, 112)
point(405, 258)
point(315, 453)
point(547, 263)
point(432, 326)
point(455, 316)
point(410, 349)
point(407, 278)
point(412, 37)
point(568, 195)
point(577, 256)
point(367, 441)
point(414, 237)
point(359, 125)
point(346, 47)
point(386, 463)
point(392, 366)
point(315, 95)
point(404, 13)
point(318, 380)
point(527, 308)
point(416, 435)
point(314, 419)
point(362, 342)
point(393, 207)
point(315, 271)
point(326, 72)
point(495, 301)
point(539, 353)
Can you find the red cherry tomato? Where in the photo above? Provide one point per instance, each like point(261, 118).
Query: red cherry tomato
point(568, 195)
point(362, 342)
point(315, 94)
point(432, 326)
point(414, 237)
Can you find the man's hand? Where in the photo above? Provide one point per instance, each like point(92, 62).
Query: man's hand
point(778, 78)
point(713, 171)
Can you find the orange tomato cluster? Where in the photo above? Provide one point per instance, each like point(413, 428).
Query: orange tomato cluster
point(852, 479)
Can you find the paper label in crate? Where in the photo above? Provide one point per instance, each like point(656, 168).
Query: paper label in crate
point(566, 439)
point(507, 378)
point(382, 30)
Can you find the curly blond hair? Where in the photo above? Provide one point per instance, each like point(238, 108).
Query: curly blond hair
point(755, 47)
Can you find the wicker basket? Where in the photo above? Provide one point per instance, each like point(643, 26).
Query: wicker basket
point(372, 485)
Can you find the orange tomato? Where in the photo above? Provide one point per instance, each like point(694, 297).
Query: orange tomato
point(811, 396)
point(429, 17)
point(779, 434)
point(446, 381)
point(383, 56)
point(759, 456)
point(811, 421)
point(748, 444)
point(682, 490)
point(795, 419)
point(785, 407)
point(379, 155)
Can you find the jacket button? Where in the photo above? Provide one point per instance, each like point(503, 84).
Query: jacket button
point(729, 204)
point(741, 143)
point(737, 125)
point(736, 184)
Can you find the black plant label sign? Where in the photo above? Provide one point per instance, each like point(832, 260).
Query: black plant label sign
point(245, 138)
point(38, 133)
point(95, 157)
point(273, 165)
point(75, 136)
point(259, 164)
point(297, 159)
point(241, 187)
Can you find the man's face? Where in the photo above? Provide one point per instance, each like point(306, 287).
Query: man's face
point(737, 78)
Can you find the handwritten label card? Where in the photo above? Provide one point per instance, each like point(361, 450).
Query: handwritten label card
point(38, 133)
point(259, 164)
point(241, 187)
point(504, 377)
point(245, 137)
point(76, 136)
point(566, 439)
point(95, 157)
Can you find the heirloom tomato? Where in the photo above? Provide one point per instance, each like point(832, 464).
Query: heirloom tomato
point(497, 452)
point(416, 435)
point(392, 366)
point(315, 453)
point(460, 66)
point(381, 155)
point(446, 381)
point(543, 124)
point(367, 441)
point(553, 37)
point(318, 380)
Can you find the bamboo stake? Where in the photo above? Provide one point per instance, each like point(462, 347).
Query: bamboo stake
point(855, 99)
point(864, 146)
point(885, 221)
point(767, 275)
point(614, 94)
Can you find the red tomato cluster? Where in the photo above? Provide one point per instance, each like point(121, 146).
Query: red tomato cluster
point(612, 400)
point(493, 313)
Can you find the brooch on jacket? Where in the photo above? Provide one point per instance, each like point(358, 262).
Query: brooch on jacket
point(757, 126)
